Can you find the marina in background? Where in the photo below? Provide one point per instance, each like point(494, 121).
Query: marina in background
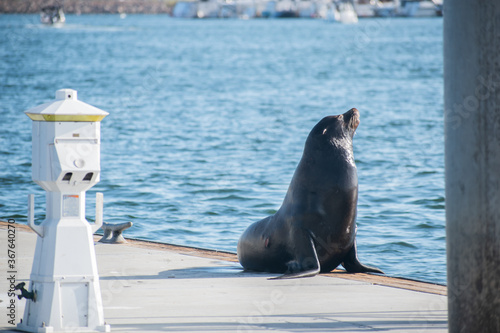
point(344, 11)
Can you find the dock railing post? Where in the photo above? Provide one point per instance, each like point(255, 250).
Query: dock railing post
point(472, 161)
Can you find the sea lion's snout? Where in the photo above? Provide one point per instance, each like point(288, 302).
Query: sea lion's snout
point(351, 118)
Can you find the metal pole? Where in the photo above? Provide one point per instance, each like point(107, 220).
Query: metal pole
point(472, 160)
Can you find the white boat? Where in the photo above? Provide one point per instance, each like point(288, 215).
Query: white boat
point(342, 12)
point(52, 15)
point(347, 13)
point(322, 9)
point(386, 8)
point(407, 8)
point(365, 8)
point(426, 9)
point(420, 8)
point(207, 9)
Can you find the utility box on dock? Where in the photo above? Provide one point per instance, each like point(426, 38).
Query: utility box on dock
point(65, 153)
point(66, 162)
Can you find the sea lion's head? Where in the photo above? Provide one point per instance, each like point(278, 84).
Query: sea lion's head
point(336, 130)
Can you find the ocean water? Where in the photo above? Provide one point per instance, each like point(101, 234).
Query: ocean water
point(208, 119)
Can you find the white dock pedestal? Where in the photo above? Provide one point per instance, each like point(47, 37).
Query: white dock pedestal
point(66, 163)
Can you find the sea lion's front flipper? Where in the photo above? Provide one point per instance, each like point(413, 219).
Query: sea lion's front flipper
point(352, 265)
point(306, 261)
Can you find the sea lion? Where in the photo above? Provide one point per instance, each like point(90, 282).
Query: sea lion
point(315, 228)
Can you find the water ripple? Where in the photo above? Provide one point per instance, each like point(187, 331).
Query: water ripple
point(208, 121)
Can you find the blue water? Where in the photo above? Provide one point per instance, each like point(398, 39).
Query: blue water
point(208, 120)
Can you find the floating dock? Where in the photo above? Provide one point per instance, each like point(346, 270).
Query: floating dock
point(156, 287)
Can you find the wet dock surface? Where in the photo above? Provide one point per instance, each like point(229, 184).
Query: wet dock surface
point(153, 287)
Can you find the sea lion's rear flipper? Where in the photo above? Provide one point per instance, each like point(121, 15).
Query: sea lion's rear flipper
point(352, 265)
point(306, 261)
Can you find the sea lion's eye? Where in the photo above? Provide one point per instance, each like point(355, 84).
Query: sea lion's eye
point(324, 131)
